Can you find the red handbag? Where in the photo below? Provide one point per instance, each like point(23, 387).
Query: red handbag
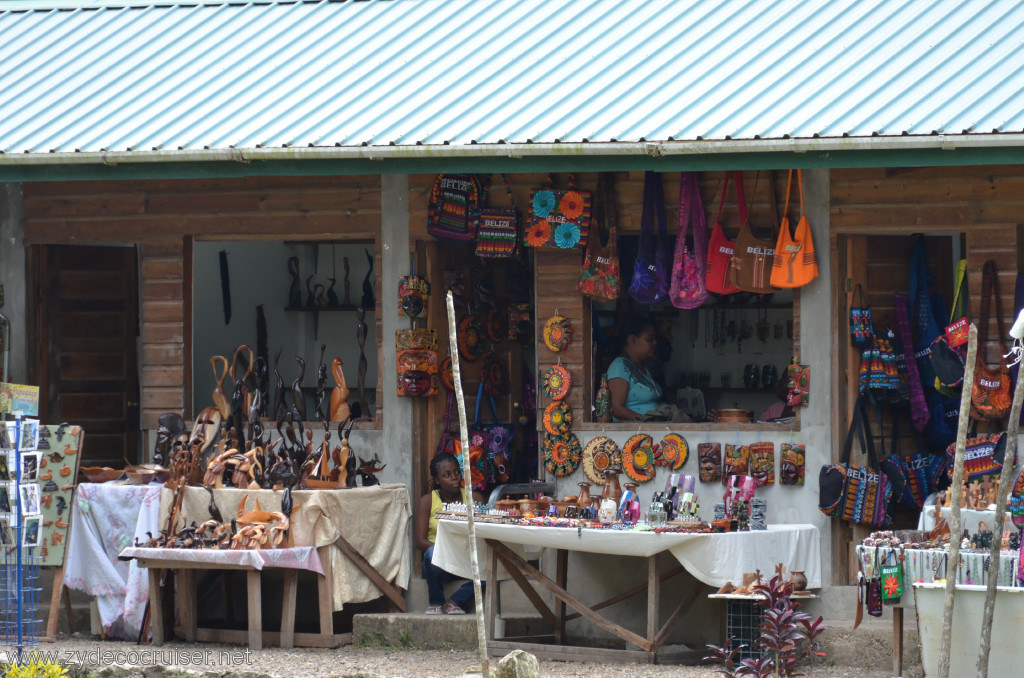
point(720, 248)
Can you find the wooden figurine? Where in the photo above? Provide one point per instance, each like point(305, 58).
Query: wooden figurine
point(280, 394)
point(339, 394)
point(321, 383)
point(299, 400)
point(220, 399)
point(361, 328)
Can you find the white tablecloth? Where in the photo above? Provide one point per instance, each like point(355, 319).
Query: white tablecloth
point(970, 518)
point(712, 558)
point(295, 558)
point(105, 519)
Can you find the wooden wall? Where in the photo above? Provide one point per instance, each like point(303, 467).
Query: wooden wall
point(162, 217)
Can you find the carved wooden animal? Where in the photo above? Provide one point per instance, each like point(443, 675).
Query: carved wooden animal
point(340, 410)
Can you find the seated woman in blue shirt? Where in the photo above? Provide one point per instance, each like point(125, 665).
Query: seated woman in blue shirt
point(633, 390)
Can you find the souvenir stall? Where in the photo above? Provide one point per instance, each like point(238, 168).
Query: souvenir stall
point(594, 271)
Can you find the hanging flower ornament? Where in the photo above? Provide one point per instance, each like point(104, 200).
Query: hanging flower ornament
point(557, 333)
point(571, 205)
point(557, 382)
point(562, 454)
point(558, 418)
point(539, 233)
point(567, 235)
point(543, 203)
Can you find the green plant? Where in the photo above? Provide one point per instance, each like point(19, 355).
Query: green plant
point(374, 639)
point(786, 636)
point(35, 668)
point(405, 640)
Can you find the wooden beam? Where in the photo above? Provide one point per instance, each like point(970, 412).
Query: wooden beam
point(156, 607)
point(561, 576)
point(288, 596)
point(529, 591)
point(325, 594)
point(653, 589)
point(628, 593)
point(599, 621)
point(255, 599)
point(393, 593)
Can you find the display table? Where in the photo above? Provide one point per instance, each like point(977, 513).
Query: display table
point(712, 559)
point(927, 565)
point(364, 531)
point(156, 560)
point(107, 518)
point(970, 518)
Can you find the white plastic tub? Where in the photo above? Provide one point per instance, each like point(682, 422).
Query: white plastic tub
point(968, 607)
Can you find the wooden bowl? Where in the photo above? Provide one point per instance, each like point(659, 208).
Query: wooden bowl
point(160, 474)
point(140, 477)
point(100, 474)
point(735, 416)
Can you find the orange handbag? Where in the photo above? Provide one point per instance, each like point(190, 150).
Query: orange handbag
point(795, 263)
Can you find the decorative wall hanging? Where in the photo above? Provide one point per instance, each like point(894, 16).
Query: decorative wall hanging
point(735, 462)
point(413, 293)
point(470, 335)
point(762, 462)
point(638, 457)
point(520, 322)
point(557, 382)
point(562, 454)
point(557, 333)
point(799, 385)
point(417, 362)
point(709, 459)
point(558, 418)
point(601, 454)
point(791, 464)
point(494, 376)
point(672, 451)
point(558, 218)
point(496, 325)
point(447, 377)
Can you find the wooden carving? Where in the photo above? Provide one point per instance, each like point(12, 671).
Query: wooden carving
point(339, 394)
point(220, 399)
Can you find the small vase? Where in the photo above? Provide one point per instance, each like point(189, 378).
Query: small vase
point(583, 500)
point(798, 580)
point(612, 490)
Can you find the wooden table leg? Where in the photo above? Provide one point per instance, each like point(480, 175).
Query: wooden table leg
point(491, 608)
point(653, 586)
point(325, 594)
point(897, 641)
point(291, 585)
point(561, 575)
point(156, 607)
point(187, 602)
point(252, 578)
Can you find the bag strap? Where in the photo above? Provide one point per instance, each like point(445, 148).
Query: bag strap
point(859, 425)
point(654, 206)
point(741, 198)
point(800, 189)
point(479, 399)
point(508, 190)
point(572, 181)
point(858, 293)
point(959, 310)
point(725, 191)
point(989, 288)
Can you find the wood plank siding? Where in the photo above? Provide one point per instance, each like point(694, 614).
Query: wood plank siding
point(163, 217)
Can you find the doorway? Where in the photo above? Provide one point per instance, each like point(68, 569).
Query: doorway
point(87, 330)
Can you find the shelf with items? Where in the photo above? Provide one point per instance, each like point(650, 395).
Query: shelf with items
point(349, 308)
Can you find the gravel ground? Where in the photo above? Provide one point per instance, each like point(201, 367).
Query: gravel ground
point(175, 659)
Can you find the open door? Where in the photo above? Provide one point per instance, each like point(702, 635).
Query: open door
point(88, 318)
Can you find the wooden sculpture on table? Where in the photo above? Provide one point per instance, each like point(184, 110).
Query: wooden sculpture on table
point(320, 476)
point(241, 396)
point(339, 394)
point(299, 400)
point(220, 398)
point(321, 383)
point(368, 470)
point(364, 408)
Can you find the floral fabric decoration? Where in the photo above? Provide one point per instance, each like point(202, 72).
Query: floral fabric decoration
point(538, 233)
point(567, 234)
point(572, 204)
point(543, 203)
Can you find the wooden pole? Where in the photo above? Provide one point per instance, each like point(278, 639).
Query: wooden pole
point(1005, 485)
point(955, 524)
point(467, 489)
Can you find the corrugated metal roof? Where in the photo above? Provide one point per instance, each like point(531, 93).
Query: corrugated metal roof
point(218, 75)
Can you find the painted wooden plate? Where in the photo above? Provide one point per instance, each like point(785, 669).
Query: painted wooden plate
point(638, 457)
point(672, 451)
point(600, 454)
point(557, 333)
point(562, 454)
point(558, 418)
point(557, 382)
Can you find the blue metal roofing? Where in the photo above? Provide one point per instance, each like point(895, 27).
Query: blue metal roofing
point(218, 75)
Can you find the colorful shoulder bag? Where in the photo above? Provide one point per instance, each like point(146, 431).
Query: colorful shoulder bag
point(688, 288)
point(498, 232)
point(453, 208)
point(990, 392)
point(720, 248)
point(559, 219)
point(600, 279)
point(653, 265)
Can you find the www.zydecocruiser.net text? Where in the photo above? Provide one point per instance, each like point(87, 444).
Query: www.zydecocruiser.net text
point(145, 657)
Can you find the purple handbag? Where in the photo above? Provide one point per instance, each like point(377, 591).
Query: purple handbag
point(688, 289)
point(919, 413)
point(653, 266)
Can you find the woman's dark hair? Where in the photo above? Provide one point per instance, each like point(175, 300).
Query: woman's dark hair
point(636, 326)
point(439, 459)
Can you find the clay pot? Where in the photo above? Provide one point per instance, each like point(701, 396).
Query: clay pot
point(583, 500)
point(798, 580)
